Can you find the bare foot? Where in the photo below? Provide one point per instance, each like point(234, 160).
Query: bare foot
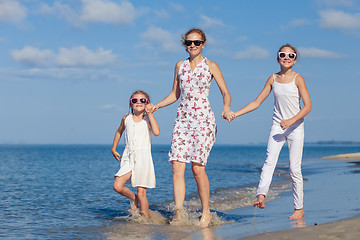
point(205, 220)
point(298, 213)
point(133, 206)
point(260, 201)
point(180, 217)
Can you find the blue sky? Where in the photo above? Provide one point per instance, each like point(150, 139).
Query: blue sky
point(67, 68)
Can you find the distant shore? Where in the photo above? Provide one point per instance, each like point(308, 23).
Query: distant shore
point(345, 157)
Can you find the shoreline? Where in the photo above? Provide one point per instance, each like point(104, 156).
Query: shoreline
point(347, 228)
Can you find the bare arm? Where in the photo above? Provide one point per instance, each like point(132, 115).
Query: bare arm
point(258, 101)
point(216, 72)
point(300, 83)
point(117, 137)
point(153, 123)
point(175, 93)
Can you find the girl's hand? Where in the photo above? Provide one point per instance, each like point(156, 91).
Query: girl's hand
point(228, 115)
point(116, 155)
point(149, 108)
point(284, 124)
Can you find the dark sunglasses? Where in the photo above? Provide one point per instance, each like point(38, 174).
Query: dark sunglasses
point(283, 55)
point(196, 42)
point(135, 100)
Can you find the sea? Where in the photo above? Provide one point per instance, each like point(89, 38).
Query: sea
point(66, 191)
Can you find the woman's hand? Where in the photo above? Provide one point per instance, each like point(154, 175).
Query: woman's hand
point(116, 155)
point(228, 115)
point(155, 107)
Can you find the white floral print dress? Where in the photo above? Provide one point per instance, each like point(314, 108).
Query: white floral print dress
point(195, 127)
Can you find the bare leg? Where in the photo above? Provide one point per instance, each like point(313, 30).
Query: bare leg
point(119, 187)
point(203, 186)
point(260, 201)
point(144, 204)
point(298, 214)
point(178, 186)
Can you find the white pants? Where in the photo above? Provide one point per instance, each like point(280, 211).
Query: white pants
point(295, 138)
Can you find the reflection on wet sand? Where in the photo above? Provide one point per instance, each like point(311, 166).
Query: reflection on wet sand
point(298, 223)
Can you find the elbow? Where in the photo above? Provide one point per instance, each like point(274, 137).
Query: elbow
point(156, 133)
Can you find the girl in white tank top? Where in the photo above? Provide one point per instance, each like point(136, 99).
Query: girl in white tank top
point(288, 125)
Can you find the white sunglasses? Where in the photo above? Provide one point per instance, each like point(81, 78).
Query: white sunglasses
point(283, 55)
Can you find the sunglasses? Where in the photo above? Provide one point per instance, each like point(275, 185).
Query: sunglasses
point(196, 42)
point(141, 100)
point(290, 55)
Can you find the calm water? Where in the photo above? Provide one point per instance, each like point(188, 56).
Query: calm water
point(65, 191)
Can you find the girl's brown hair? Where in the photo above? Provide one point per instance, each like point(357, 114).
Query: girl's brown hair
point(196, 30)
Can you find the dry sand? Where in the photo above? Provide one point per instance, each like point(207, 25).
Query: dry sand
point(340, 230)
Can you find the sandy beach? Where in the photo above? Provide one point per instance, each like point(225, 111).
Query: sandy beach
point(343, 229)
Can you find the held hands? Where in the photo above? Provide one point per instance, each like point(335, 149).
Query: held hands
point(155, 107)
point(116, 155)
point(150, 108)
point(228, 115)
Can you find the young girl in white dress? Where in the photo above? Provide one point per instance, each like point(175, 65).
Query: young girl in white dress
point(288, 125)
point(137, 165)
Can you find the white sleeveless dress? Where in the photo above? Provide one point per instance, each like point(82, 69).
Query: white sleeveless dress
point(136, 157)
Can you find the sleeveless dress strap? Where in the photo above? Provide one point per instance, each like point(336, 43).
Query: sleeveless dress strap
point(295, 77)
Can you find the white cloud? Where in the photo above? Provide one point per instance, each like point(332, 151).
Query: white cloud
point(93, 11)
point(32, 56)
point(177, 7)
point(252, 52)
point(241, 39)
point(82, 56)
point(299, 22)
point(110, 107)
point(12, 11)
point(161, 37)
point(318, 53)
point(75, 57)
point(207, 22)
point(60, 74)
point(107, 12)
point(337, 19)
point(339, 3)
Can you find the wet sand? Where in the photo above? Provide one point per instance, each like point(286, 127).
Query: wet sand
point(342, 230)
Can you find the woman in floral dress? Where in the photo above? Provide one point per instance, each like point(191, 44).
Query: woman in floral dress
point(195, 127)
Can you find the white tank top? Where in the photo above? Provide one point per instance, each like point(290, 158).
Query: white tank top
point(286, 101)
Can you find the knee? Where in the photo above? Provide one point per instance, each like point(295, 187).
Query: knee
point(178, 172)
point(118, 187)
point(198, 171)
